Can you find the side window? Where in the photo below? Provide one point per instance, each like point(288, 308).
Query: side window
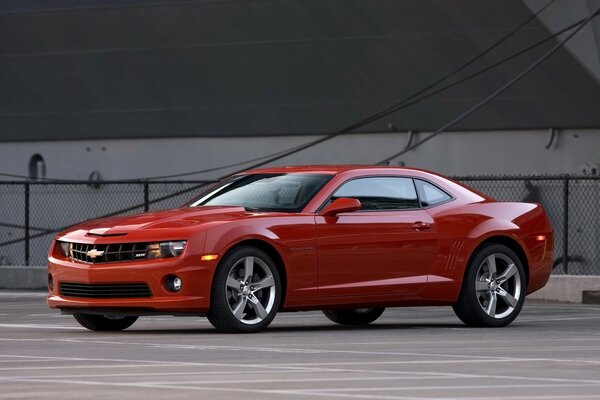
point(429, 194)
point(381, 193)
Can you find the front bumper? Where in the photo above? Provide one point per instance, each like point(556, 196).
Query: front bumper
point(194, 296)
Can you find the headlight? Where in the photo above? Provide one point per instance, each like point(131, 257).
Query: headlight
point(165, 249)
point(63, 247)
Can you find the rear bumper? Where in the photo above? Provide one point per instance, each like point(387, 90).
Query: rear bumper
point(194, 296)
point(540, 261)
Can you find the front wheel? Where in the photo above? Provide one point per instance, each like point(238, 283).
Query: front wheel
point(104, 323)
point(357, 316)
point(493, 289)
point(246, 292)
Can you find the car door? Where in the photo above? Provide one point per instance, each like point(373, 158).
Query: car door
point(386, 247)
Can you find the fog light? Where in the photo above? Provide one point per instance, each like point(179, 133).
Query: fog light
point(173, 283)
point(50, 283)
point(177, 284)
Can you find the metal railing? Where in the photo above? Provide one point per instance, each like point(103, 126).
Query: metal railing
point(32, 212)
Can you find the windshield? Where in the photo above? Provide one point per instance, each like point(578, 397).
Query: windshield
point(265, 192)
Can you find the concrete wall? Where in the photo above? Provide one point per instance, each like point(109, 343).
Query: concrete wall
point(453, 153)
point(23, 277)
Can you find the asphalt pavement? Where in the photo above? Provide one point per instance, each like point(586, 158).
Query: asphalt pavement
point(552, 351)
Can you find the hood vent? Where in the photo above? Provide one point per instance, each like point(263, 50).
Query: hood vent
point(103, 232)
point(90, 233)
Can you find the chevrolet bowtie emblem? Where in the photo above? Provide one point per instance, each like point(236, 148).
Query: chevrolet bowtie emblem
point(93, 253)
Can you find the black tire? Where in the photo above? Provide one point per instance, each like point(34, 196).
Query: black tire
point(484, 297)
point(247, 307)
point(102, 323)
point(358, 316)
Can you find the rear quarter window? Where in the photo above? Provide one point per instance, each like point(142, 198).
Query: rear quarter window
point(429, 194)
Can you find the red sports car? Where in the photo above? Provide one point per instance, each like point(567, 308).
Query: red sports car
point(348, 240)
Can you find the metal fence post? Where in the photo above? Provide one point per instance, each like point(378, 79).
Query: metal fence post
point(27, 238)
point(146, 196)
point(566, 225)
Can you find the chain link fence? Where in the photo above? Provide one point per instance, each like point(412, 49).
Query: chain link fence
point(33, 212)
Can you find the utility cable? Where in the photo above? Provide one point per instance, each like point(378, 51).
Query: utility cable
point(418, 143)
point(496, 93)
point(221, 167)
point(150, 178)
point(400, 104)
point(396, 107)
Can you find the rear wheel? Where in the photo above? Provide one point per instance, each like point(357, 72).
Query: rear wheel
point(246, 292)
point(104, 323)
point(357, 316)
point(493, 289)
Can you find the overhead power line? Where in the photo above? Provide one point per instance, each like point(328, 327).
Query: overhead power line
point(439, 131)
point(496, 93)
point(401, 104)
point(410, 100)
point(58, 180)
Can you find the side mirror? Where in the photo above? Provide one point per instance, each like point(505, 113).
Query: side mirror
point(341, 205)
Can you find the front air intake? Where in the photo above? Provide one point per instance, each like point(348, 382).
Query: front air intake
point(105, 290)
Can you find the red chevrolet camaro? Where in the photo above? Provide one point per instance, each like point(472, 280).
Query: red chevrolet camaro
point(348, 240)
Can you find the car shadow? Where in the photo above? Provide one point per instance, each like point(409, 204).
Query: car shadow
point(300, 328)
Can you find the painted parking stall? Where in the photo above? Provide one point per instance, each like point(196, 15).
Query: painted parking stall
point(551, 351)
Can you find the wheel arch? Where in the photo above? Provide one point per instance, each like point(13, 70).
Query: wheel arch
point(507, 241)
point(271, 252)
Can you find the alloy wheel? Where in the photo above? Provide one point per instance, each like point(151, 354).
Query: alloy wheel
point(498, 285)
point(250, 289)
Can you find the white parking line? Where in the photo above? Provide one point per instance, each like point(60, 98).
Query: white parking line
point(340, 392)
point(447, 387)
point(287, 350)
point(557, 319)
point(532, 307)
point(438, 357)
point(460, 397)
point(117, 360)
point(39, 326)
point(317, 367)
point(238, 381)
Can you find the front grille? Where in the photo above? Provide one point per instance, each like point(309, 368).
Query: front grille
point(108, 253)
point(105, 290)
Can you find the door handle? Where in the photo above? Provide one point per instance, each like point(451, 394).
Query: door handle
point(421, 226)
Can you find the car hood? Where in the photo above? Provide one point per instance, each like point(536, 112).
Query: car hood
point(180, 219)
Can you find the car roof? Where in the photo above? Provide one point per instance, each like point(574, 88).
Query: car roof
point(356, 170)
point(329, 169)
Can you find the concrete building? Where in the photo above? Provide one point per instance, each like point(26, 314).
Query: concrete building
point(143, 88)
point(135, 89)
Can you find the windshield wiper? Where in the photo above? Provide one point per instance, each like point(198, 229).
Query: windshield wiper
point(252, 209)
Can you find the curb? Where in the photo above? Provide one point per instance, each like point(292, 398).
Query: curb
point(23, 277)
point(567, 288)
